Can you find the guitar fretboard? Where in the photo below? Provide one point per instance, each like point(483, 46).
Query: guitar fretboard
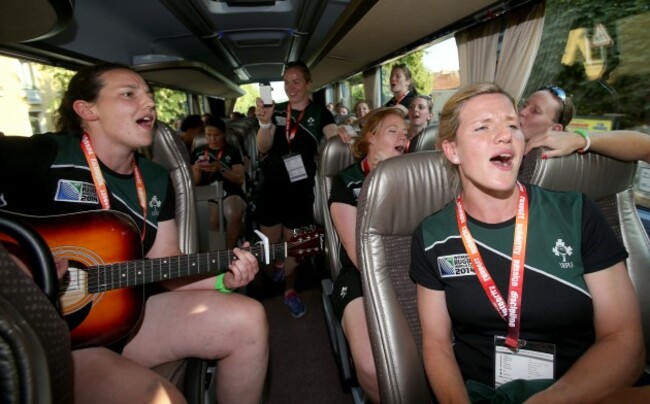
point(102, 278)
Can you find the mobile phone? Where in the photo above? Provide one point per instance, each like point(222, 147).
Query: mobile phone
point(265, 94)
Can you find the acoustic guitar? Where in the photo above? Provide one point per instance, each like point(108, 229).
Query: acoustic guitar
point(102, 296)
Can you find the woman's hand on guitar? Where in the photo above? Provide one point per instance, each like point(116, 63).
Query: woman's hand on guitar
point(242, 270)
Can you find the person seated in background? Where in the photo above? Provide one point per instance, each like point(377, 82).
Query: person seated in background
point(219, 161)
point(351, 127)
point(361, 109)
point(251, 112)
point(401, 86)
point(191, 127)
point(574, 316)
point(547, 112)
point(106, 114)
point(383, 136)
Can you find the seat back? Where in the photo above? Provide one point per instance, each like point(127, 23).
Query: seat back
point(335, 156)
point(397, 195)
point(394, 200)
point(35, 357)
point(169, 151)
point(425, 140)
point(609, 183)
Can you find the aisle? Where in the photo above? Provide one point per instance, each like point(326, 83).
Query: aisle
point(302, 365)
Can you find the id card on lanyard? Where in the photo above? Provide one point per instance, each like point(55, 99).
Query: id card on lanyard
point(293, 162)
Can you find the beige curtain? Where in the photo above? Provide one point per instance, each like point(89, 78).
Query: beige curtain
point(478, 55)
point(520, 44)
point(372, 86)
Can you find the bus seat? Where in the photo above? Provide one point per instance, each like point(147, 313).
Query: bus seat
point(609, 183)
point(424, 140)
point(35, 356)
point(392, 203)
point(335, 156)
point(170, 152)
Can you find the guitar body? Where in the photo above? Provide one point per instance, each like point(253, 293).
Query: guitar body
point(89, 239)
point(99, 297)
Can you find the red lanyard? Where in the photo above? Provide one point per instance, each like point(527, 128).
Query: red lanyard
point(206, 154)
point(397, 100)
point(365, 166)
point(290, 134)
point(510, 312)
point(100, 184)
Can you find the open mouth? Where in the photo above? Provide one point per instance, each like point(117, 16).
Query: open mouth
point(502, 160)
point(399, 149)
point(146, 121)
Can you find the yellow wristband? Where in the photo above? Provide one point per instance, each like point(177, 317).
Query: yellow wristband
point(219, 286)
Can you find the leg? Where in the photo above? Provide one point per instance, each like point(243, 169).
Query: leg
point(233, 210)
point(356, 330)
point(290, 263)
point(103, 376)
point(231, 328)
point(215, 217)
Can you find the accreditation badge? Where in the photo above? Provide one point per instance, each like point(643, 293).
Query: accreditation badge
point(295, 167)
point(532, 361)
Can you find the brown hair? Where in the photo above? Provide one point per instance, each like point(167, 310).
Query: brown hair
point(371, 125)
point(85, 85)
point(300, 66)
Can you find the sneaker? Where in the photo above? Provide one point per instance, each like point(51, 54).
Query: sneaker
point(277, 273)
point(296, 306)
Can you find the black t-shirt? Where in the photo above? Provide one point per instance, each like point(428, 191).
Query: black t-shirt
point(568, 237)
point(230, 157)
point(48, 175)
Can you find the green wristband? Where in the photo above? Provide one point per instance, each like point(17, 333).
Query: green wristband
point(586, 136)
point(219, 286)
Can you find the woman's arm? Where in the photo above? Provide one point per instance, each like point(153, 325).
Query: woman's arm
point(623, 145)
point(439, 359)
point(240, 272)
point(344, 217)
point(265, 133)
point(615, 360)
point(234, 174)
point(330, 130)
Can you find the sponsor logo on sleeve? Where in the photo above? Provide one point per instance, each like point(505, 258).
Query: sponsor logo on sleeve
point(454, 265)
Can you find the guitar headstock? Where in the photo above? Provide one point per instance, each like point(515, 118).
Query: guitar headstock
point(306, 243)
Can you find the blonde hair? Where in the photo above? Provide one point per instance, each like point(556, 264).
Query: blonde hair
point(450, 116)
point(371, 124)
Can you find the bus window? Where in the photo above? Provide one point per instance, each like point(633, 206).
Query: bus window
point(601, 60)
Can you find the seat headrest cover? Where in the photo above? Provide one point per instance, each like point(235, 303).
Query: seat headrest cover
point(392, 184)
point(595, 175)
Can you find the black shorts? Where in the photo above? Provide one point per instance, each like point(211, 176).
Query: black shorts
point(290, 206)
point(347, 287)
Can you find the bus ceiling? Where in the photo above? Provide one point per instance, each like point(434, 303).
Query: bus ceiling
point(217, 45)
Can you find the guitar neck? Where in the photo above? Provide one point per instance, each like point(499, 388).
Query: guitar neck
point(107, 277)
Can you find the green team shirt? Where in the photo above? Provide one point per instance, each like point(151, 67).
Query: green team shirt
point(48, 175)
point(567, 238)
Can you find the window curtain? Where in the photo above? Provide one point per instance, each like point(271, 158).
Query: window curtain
point(482, 58)
point(371, 87)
